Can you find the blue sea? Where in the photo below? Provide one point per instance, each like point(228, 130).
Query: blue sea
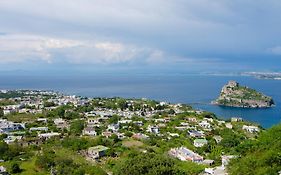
point(196, 90)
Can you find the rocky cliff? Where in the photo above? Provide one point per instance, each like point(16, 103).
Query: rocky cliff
point(232, 94)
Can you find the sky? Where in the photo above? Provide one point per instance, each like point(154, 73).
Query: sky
point(139, 36)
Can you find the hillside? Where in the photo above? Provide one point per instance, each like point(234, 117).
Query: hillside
point(261, 156)
point(235, 95)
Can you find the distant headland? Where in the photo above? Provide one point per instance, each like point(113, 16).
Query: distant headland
point(235, 95)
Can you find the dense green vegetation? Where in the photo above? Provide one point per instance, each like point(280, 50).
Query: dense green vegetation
point(154, 164)
point(247, 93)
point(261, 156)
point(11, 94)
point(8, 152)
point(60, 162)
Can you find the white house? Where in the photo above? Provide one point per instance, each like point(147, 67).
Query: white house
point(153, 129)
point(228, 125)
point(236, 119)
point(200, 142)
point(185, 154)
point(42, 120)
point(173, 134)
point(3, 170)
point(92, 121)
point(139, 123)
point(251, 129)
point(113, 127)
point(205, 124)
point(217, 138)
point(61, 123)
point(39, 129)
point(89, 131)
point(159, 120)
point(106, 134)
point(11, 139)
point(140, 136)
point(192, 119)
point(8, 126)
point(195, 133)
point(97, 151)
point(125, 121)
point(48, 135)
point(225, 159)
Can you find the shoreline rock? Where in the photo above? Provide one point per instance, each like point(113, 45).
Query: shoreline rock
point(234, 95)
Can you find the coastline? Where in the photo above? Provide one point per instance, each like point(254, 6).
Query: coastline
point(241, 106)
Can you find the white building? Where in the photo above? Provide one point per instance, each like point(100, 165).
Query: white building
point(185, 154)
point(113, 127)
point(3, 170)
point(200, 142)
point(153, 129)
point(251, 129)
point(39, 129)
point(217, 138)
point(236, 119)
point(225, 159)
point(228, 125)
point(97, 151)
point(48, 135)
point(89, 131)
point(125, 121)
point(61, 123)
point(12, 139)
point(45, 120)
point(205, 124)
point(8, 126)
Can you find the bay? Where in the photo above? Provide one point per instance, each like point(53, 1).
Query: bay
point(196, 90)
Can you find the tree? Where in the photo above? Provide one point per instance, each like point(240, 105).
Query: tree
point(3, 136)
point(15, 168)
point(114, 119)
point(46, 160)
point(60, 111)
point(77, 127)
point(115, 138)
point(128, 134)
point(71, 115)
point(208, 115)
point(77, 143)
point(1, 113)
point(4, 148)
point(49, 104)
point(148, 164)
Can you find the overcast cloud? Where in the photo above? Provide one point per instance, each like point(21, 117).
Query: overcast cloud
point(194, 33)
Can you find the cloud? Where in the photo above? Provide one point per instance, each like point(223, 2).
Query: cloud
point(148, 32)
point(191, 25)
point(24, 48)
point(156, 57)
point(29, 49)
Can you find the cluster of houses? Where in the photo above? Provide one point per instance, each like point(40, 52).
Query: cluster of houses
point(196, 128)
point(8, 126)
point(32, 101)
point(185, 154)
point(104, 112)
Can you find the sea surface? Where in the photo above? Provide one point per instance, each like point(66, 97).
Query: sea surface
point(196, 90)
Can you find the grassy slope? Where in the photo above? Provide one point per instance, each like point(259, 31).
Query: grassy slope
point(261, 156)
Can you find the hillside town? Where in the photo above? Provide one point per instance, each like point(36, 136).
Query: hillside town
point(102, 131)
